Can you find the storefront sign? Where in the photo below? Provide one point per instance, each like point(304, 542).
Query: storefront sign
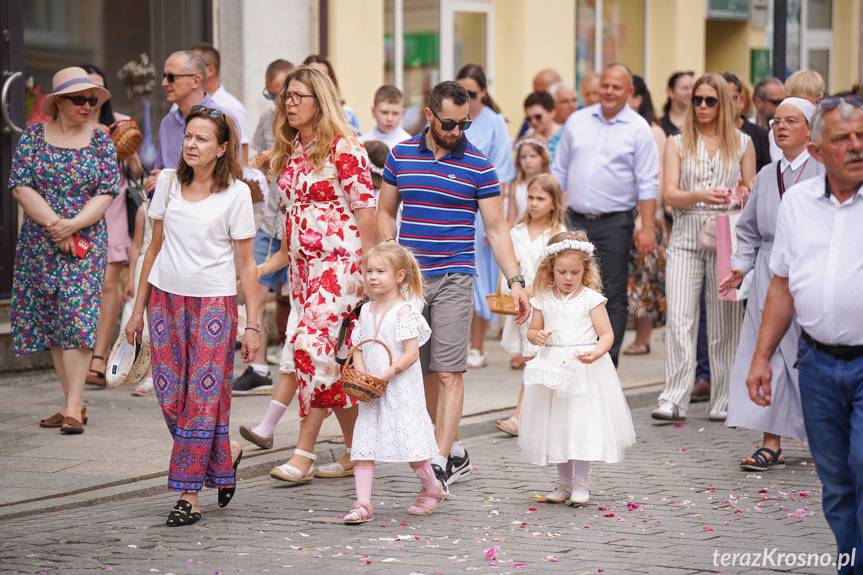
point(728, 10)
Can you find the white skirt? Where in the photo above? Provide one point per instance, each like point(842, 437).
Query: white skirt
point(596, 426)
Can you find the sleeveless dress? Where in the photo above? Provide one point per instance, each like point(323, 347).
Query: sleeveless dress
point(396, 426)
point(585, 416)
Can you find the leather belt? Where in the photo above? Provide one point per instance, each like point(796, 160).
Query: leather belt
point(844, 352)
point(597, 217)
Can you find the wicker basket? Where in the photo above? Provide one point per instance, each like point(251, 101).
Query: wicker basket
point(127, 138)
point(361, 385)
point(500, 302)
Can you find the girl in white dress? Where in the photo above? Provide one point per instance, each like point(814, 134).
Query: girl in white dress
point(574, 411)
point(542, 219)
point(531, 159)
point(396, 426)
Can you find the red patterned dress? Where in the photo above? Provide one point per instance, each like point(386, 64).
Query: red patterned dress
point(325, 250)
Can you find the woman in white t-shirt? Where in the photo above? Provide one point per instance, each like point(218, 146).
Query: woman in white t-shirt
point(202, 215)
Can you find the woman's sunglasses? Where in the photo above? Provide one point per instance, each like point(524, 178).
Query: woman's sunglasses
point(449, 125)
point(710, 101)
point(81, 100)
point(833, 101)
point(211, 112)
point(471, 94)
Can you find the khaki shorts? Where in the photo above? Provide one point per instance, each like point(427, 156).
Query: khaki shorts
point(448, 311)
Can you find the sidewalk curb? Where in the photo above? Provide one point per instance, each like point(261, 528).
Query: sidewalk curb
point(257, 463)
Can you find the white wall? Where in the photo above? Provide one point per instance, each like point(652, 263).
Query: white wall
point(252, 33)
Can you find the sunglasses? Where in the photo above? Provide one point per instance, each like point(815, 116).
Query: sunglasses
point(81, 100)
point(268, 95)
point(211, 112)
point(471, 94)
point(534, 118)
point(295, 97)
point(710, 101)
point(833, 101)
point(449, 125)
point(171, 77)
point(775, 102)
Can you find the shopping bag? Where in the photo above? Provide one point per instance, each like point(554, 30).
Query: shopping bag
point(726, 243)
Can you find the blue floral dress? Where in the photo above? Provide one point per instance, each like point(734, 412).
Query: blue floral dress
point(55, 295)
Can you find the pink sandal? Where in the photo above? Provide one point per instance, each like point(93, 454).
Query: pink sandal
point(360, 513)
point(420, 507)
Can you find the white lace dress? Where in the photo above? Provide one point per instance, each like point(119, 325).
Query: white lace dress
point(396, 426)
point(558, 420)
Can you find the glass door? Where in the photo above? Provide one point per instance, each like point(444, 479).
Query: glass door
point(467, 37)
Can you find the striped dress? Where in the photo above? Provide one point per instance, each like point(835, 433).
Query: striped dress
point(687, 268)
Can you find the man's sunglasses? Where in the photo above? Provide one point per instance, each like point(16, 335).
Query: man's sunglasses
point(833, 101)
point(710, 101)
point(268, 95)
point(171, 77)
point(449, 125)
point(211, 112)
point(775, 102)
point(81, 100)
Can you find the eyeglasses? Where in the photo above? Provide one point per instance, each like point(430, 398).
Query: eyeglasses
point(268, 95)
point(471, 94)
point(171, 77)
point(789, 123)
point(710, 101)
point(833, 101)
point(81, 100)
point(295, 97)
point(775, 102)
point(211, 112)
point(449, 125)
point(534, 118)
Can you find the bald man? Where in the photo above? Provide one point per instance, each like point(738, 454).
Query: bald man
point(544, 79)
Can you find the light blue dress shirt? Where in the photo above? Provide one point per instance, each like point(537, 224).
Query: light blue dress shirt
point(606, 166)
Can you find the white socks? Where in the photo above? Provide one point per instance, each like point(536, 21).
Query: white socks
point(268, 425)
point(579, 475)
point(439, 460)
point(457, 449)
point(261, 369)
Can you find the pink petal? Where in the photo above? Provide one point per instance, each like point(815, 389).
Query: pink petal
point(709, 529)
point(678, 425)
point(489, 553)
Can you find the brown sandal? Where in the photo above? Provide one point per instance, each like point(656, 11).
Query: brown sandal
point(71, 425)
point(637, 348)
point(97, 377)
point(56, 420)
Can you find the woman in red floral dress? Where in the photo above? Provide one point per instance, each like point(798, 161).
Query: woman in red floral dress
point(324, 173)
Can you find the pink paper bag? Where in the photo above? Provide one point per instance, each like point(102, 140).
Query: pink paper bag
point(726, 243)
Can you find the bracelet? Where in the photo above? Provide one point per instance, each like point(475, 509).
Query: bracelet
point(254, 329)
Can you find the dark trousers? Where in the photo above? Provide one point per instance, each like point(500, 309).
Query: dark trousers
point(612, 236)
point(702, 366)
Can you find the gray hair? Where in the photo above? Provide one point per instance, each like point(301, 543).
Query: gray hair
point(554, 88)
point(845, 111)
point(194, 63)
point(760, 90)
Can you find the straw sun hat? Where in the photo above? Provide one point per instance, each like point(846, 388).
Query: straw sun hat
point(70, 81)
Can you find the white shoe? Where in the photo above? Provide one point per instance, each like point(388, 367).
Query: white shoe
point(667, 411)
point(717, 415)
point(274, 357)
point(578, 498)
point(475, 358)
point(291, 474)
point(559, 495)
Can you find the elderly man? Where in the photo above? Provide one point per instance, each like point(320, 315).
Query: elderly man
point(590, 89)
point(183, 79)
point(767, 95)
point(817, 266)
point(220, 95)
point(607, 163)
point(544, 79)
point(443, 181)
point(565, 101)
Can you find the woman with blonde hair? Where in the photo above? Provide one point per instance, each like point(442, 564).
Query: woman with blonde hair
point(323, 171)
point(806, 84)
point(705, 167)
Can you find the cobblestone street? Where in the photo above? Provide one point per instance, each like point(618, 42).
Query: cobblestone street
point(676, 504)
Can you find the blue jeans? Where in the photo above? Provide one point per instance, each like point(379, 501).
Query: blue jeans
point(831, 391)
point(263, 247)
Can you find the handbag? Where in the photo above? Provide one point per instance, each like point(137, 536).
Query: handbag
point(135, 196)
point(707, 234)
point(127, 138)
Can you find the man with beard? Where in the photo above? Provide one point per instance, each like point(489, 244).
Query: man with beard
point(442, 181)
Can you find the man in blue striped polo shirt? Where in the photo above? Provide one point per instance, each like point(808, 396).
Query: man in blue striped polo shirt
point(442, 181)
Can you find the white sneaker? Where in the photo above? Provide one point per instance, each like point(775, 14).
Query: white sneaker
point(475, 358)
point(717, 415)
point(667, 411)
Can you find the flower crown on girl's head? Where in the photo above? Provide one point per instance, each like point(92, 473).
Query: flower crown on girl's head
point(562, 245)
point(533, 141)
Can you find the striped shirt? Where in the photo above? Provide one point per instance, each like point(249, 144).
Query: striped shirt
point(440, 201)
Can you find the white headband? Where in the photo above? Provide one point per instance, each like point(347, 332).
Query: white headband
point(562, 245)
point(806, 107)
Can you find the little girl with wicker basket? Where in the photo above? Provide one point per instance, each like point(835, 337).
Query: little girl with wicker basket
point(393, 424)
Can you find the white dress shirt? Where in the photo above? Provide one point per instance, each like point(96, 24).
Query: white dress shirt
point(817, 247)
point(606, 166)
point(229, 102)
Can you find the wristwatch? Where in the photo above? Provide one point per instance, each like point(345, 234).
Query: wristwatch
point(513, 280)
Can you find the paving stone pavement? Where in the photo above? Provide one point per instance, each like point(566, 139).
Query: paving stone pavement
point(678, 499)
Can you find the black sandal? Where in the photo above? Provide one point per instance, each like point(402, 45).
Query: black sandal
point(761, 462)
point(182, 514)
point(226, 493)
point(98, 377)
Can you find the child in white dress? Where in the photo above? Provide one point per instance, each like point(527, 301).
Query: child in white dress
point(543, 218)
point(396, 426)
point(574, 410)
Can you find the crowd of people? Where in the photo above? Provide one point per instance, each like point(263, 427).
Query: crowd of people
point(390, 241)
